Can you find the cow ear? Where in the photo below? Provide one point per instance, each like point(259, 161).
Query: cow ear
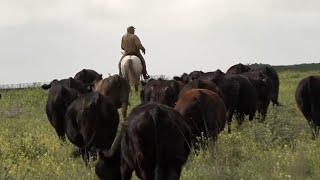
point(71, 82)
point(220, 72)
point(176, 78)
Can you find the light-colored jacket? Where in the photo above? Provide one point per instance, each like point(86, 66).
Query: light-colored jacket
point(131, 44)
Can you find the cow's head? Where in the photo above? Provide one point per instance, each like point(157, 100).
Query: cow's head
point(108, 166)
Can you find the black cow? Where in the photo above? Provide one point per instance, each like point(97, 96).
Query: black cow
point(161, 91)
point(308, 100)
point(238, 69)
point(117, 88)
point(239, 95)
point(186, 78)
point(262, 84)
point(247, 97)
point(271, 74)
point(59, 98)
point(268, 71)
point(70, 83)
point(92, 122)
point(88, 76)
point(154, 142)
point(195, 75)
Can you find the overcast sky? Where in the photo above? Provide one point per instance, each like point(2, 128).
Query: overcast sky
point(45, 39)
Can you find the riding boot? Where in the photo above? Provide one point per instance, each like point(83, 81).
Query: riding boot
point(144, 68)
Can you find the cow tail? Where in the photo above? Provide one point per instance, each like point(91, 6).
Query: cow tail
point(204, 114)
point(73, 132)
point(90, 142)
point(313, 103)
point(155, 115)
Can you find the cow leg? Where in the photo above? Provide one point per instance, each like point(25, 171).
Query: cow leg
point(136, 87)
point(275, 102)
point(85, 156)
point(76, 153)
point(312, 129)
point(124, 110)
point(126, 171)
point(240, 119)
point(61, 133)
point(263, 114)
point(316, 131)
point(93, 153)
point(264, 110)
point(251, 116)
point(59, 127)
point(145, 169)
point(229, 120)
point(146, 173)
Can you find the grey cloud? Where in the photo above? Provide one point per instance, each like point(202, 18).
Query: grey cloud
point(42, 40)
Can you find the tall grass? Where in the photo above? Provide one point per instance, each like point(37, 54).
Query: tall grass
point(279, 148)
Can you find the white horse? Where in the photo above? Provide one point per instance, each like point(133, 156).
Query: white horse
point(131, 69)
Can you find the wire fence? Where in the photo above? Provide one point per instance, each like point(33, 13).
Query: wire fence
point(39, 84)
point(20, 86)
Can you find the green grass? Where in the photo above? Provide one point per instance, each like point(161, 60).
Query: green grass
point(279, 148)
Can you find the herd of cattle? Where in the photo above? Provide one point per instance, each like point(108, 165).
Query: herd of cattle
point(157, 136)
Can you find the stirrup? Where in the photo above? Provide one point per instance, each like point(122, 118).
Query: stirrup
point(146, 76)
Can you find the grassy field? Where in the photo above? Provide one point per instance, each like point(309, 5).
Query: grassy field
point(279, 148)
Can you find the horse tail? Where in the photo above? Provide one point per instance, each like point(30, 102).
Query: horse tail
point(131, 75)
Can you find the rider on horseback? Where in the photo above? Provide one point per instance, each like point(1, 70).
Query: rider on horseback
point(131, 45)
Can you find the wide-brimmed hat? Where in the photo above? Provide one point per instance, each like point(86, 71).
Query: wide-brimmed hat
point(130, 27)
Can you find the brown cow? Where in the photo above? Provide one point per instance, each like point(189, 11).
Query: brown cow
point(308, 100)
point(204, 112)
point(117, 88)
point(161, 91)
point(200, 84)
